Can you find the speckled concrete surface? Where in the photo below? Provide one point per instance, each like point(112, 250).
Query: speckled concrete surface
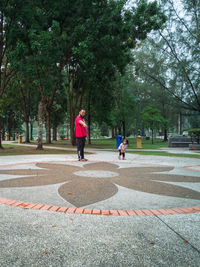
point(40, 238)
point(43, 238)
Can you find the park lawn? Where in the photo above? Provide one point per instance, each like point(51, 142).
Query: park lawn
point(12, 150)
point(109, 143)
point(97, 143)
point(165, 154)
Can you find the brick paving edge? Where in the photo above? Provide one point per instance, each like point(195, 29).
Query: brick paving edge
point(145, 212)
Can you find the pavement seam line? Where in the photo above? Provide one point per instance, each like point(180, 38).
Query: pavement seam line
point(179, 235)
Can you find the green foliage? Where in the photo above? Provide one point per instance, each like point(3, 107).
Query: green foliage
point(124, 102)
point(96, 133)
point(11, 109)
point(59, 107)
point(61, 134)
point(195, 134)
point(171, 55)
point(147, 17)
point(35, 45)
point(90, 41)
point(152, 118)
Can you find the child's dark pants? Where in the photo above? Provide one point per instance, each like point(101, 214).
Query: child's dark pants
point(121, 153)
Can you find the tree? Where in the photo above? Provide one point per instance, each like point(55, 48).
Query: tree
point(6, 72)
point(88, 40)
point(11, 109)
point(6, 25)
point(36, 53)
point(99, 37)
point(149, 91)
point(195, 134)
point(123, 109)
point(59, 111)
point(29, 96)
point(176, 50)
point(152, 119)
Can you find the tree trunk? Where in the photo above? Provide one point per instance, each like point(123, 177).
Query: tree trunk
point(124, 128)
point(3, 132)
point(113, 133)
point(89, 121)
point(152, 135)
point(48, 126)
point(9, 126)
point(143, 130)
point(165, 136)
point(75, 102)
point(116, 133)
point(119, 130)
point(31, 124)
point(67, 130)
point(89, 130)
point(40, 125)
point(180, 123)
point(55, 132)
point(72, 122)
point(1, 147)
point(72, 132)
point(27, 131)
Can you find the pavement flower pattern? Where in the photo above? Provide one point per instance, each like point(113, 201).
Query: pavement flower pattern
point(82, 190)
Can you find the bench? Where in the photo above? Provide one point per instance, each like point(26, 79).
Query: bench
point(180, 144)
point(179, 141)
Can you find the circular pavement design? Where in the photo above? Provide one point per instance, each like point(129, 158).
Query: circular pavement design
point(96, 181)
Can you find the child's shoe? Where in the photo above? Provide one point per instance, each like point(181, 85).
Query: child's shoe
point(119, 157)
point(123, 158)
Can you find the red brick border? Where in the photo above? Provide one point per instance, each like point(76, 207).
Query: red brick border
point(146, 212)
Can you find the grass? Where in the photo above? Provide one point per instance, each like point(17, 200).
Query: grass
point(12, 150)
point(96, 143)
point(146, 144)
point(111, 143)
point(165, 154)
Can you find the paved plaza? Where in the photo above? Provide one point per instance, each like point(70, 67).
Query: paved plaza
point(142, 211)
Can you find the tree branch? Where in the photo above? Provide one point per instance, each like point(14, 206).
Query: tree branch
point(184, 71)
point(172, 93)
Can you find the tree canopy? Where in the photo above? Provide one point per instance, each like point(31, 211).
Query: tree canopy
point(76, 48)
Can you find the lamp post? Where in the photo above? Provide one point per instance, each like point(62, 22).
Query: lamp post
point(2, 117)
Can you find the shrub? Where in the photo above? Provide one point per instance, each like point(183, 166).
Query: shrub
point(195, 134)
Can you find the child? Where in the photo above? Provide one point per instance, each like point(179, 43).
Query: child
point(122, 147)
